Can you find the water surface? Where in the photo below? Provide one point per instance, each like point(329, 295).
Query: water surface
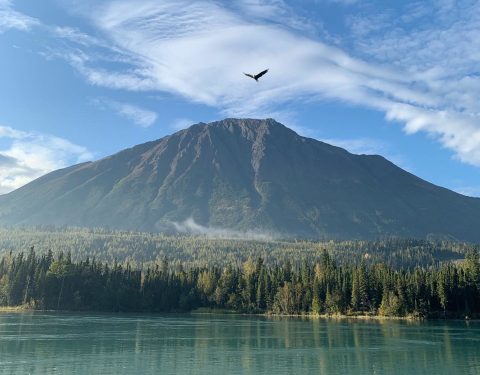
point(44, 343)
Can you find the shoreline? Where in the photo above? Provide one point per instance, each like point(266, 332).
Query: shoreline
point(338, 316)
point(7, 309)
point(207, 311)
point(349, 317)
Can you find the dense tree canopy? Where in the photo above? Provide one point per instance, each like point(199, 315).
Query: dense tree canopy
point(322, 287)
point(148, 249)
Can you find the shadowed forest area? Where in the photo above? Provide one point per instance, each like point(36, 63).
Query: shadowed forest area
point(323, 287)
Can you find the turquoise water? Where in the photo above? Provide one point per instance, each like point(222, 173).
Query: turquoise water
point(44, 343)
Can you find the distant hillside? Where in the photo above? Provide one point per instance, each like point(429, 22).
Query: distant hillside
point(245, 175)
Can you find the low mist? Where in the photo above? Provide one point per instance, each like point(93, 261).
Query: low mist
point(189, 226)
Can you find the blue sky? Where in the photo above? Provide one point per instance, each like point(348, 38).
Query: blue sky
point(83, 79)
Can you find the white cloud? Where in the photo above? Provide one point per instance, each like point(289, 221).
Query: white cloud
point(370, 146)
point(30, 155)
point(366, 146)
point(181, 123)
point(132, 79)
point(74, 35)
point(11, 19)
point(202, 57)
point(139, 116)
point(275, 11)
point(198, 50)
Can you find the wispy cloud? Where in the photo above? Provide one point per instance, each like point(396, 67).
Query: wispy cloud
point(359, 145)
point(441, 56)
point(275, 12)
point(181, 123)
point(11, 19)
point(370, 146)
point(138, 115)
point(424, 77)
point(171, 37)
point(75, 35)
point(171, 41)
point(30, 155)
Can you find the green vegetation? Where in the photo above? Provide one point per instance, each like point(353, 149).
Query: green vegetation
point(142, 250)
point(323, 287)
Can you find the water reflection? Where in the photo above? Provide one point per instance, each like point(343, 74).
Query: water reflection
point(227, 344)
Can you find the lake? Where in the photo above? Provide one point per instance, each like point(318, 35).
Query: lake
point(49, 343)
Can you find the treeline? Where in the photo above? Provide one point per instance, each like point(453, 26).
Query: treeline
point(323, 287)
point(147, 249)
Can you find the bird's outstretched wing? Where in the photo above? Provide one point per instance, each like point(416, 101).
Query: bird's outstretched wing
point(249, 75)
point(257, 76)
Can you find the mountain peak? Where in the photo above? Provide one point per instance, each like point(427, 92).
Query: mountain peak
point(249, 123)
point(247, 126)
point(244, 175)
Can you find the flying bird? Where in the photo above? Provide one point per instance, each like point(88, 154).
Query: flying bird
point(256, 76)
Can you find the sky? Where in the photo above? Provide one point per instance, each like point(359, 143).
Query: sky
point(80, 80)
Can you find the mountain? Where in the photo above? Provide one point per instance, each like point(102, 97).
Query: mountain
point(244, 175)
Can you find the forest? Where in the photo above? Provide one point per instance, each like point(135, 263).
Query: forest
point(323, 287)
point(142, 250)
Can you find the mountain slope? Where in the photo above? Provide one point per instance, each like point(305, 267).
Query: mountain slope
point(245, 175)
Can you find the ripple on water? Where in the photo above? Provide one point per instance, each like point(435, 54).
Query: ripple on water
point(220, 344)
